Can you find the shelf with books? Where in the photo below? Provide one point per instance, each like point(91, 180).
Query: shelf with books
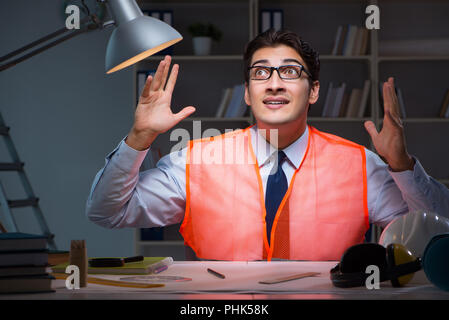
point(323, 24)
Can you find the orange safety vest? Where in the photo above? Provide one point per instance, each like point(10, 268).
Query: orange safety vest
point(324, 210)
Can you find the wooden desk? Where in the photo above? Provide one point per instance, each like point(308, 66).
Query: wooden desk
point(242, 282)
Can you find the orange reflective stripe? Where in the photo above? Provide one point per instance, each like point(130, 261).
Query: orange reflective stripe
point(184, 224)
point(365, 189)
point(281, 206)
point(262, 198)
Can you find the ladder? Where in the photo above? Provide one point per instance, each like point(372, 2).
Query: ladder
point(32, 201)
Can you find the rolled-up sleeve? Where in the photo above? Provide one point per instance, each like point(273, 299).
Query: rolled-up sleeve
point(122, 196)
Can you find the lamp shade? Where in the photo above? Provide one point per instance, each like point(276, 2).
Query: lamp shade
point(136, 36)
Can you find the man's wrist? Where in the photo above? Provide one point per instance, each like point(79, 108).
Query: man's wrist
point(405, 164)
point(140, 141)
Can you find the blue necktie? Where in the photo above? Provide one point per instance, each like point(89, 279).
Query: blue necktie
point(277, 186)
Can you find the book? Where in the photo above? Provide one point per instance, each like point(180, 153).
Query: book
point(344, 105)
point(329, 93)
point(349, 41)
point(354, 103)
point(225, 99)
point(265, 20)
point(338, 36)
point(277, 19)
point(364, 98)
point(357, 42)
point(365, 41)
point(26, 284)
point(271, 18)
point(17, 271)
point(148, 265)
point(335, 111)
point(24, 258)
point(58, 256)
point(342, 40)
point(16, 241)
point(237, 101)
point(444, 111)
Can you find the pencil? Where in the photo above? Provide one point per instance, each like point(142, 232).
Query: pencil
point(215, 273)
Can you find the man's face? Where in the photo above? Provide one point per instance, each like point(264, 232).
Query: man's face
point(277, 101)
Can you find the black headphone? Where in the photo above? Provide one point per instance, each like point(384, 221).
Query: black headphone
point(395, 262)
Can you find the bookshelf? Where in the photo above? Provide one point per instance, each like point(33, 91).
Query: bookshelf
point(316, 22)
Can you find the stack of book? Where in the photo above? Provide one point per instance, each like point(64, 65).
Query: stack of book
point(232, 104)
point(340, 103)
point(351, 40)
point(23, 263)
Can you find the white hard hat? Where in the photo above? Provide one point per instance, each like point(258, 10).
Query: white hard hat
point(414, 230)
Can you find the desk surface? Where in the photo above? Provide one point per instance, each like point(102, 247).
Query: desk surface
point(242, 282)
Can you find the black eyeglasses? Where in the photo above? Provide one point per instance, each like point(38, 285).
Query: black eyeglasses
point(287, 72)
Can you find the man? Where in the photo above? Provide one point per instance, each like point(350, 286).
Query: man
point(310, 198)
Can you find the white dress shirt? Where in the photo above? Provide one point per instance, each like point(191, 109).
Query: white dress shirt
point(122, 196)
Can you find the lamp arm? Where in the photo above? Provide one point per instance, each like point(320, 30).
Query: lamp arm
point(86, 28)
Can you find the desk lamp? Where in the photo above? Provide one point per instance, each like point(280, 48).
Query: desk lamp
point(134, 38)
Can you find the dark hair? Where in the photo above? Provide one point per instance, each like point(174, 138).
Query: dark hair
point(273, 38)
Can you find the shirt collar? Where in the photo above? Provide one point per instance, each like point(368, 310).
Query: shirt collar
point(265, 151)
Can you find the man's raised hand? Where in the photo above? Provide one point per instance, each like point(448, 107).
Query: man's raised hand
point(390, 141)
point(153, 114)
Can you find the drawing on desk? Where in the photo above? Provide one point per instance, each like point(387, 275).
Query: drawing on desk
point(152, 279)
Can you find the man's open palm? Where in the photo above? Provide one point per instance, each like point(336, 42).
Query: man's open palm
point(153, 114)
point(390, 141)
